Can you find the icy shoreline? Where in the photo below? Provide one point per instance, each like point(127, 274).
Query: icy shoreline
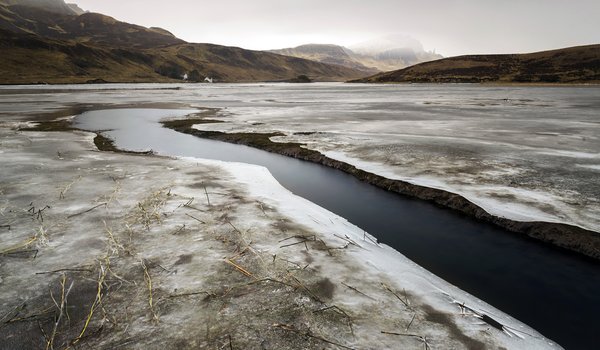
point(567, 236)
point(311, 115)
point(382, 292)
point(528, 154)
point(376, 258)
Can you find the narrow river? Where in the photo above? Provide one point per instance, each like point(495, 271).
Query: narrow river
point(553, 291)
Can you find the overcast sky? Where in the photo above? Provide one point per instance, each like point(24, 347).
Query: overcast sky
point(451, 27)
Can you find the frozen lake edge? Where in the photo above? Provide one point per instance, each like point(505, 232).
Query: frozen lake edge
point(566, 236)
point(178, 254)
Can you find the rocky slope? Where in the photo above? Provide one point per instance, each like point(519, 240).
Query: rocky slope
point(579, 64)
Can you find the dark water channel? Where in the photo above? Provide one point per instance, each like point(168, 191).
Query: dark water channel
point(553, 291)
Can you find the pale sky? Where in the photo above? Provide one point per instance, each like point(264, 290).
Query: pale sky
point(451, 27)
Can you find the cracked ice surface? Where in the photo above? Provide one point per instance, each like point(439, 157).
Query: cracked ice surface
point(529, 154)
point(526, 153)
point(192, 253)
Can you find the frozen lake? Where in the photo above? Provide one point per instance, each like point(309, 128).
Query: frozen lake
point(526, 153)
point(482, 259)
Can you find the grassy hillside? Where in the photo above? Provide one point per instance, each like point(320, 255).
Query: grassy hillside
point(570, 65)
point(50, 47)
point(92, 28)
point(30, 59)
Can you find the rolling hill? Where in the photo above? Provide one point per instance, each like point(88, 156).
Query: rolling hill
point(575, 65)
point(51, 42)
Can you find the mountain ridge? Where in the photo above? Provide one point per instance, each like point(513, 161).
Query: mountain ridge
point(63, 47)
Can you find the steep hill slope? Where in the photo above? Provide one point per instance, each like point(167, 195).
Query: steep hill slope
point(579, 64)
point(61, 47)
point(88, 27)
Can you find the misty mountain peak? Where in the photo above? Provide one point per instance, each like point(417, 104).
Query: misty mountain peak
point(75, 8)
point(386, 43)
point(383, 54)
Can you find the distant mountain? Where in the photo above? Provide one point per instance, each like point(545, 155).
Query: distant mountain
point(50, 41)
point(76, 9)
point(386, 43)
point(579, 64)
point(330, 54)
point(393, 52)
point(369, 57)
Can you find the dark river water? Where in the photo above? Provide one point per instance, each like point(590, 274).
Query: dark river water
point(553, 291)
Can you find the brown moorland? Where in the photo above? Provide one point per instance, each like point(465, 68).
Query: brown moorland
point(574, 65)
